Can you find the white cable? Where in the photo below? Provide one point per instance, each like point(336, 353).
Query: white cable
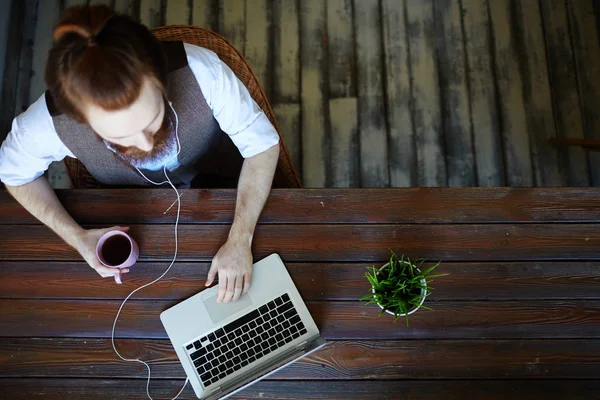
point(178, 201)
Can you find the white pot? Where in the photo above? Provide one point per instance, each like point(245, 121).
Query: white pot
point(414, 308)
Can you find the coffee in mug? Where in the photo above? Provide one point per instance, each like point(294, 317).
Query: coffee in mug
point(116, 249)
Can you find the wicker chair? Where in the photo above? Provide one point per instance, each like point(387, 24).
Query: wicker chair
point(285, 174)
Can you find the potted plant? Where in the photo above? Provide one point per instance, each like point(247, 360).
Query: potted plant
point(399, 287)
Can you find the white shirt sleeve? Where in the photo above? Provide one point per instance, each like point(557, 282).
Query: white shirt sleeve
point(31, 146)
point(234, 109)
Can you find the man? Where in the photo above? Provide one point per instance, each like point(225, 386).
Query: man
point(124, 104)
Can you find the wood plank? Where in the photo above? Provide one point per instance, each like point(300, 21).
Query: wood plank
point(517, 152)
point(127, 7)
point(178, 12)
point(108, 3)
point(313, 56)
point(57, 174)
point(343, 126)
point(286, 48)
point(22, 100)
point(203, 13)
point(258, 43)
point(357, 206)
point(586, 46)
point(547, 165)
point(288, 118)
point(561, 65)
point(558, 319)
point(484, 113)
point(339, 360)
point(374, 168)
point(336, 243)
point(15, 50)
point(425, 94)
point(341, 61)
point(6, 8)
point(91, 389)
point(232, 22)
point(48, 16)
point(456, 116)
point(151, 13)
point(402, 150)
point(73, 3)
point(465, 281)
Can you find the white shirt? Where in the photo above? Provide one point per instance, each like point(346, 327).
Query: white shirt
point(33, 143)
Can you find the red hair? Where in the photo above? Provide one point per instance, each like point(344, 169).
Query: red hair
point(101, 58)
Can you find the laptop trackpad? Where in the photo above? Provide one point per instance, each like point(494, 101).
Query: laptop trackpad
point(220, 311)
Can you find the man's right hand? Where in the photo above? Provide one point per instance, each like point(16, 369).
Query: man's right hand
point(86, 246)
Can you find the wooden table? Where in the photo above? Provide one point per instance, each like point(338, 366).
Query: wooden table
point(518, 316)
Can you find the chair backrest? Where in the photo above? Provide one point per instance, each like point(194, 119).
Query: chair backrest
point(286, 175)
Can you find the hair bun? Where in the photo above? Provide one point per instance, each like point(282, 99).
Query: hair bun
point(63, 29)
point(85, 21)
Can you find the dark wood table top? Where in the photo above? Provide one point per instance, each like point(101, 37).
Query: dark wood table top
point(518, 315)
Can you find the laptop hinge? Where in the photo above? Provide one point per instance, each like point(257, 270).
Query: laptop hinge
point(301, 345)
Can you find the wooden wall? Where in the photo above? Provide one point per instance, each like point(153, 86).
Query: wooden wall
point(5, 7)
point(375, 93)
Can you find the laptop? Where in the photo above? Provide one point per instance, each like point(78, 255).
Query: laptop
point(225, 347)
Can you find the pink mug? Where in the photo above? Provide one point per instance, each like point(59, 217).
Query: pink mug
point(116, 249)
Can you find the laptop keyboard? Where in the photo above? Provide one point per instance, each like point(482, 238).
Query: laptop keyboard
point(246, 340)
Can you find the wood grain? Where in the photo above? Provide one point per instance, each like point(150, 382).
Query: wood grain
point(4, 29)
point(315, 281)
point(203, 13)
point(127, 7)
point(487, 139)
point(108, 3)
point(232, 22)
point(586, 47)
point(22, 100)
point(402, 150)
point(345, 169)
point(72, 3)
point(565, 95)
point(558, 319)
point(372, 127)
point(335, 243)
point(178, 12)
point(21, 29)
point(425, 94)
point(314, 114)
point(151, 13)
point(48, 15)
point(258, 43)
point(356, 206)
point(288, 118)
point(286, 43)
point(547, 165)
point(340, 49)
point(339, 360)
point(456, 116)
point(92, 389)
point(509, 81)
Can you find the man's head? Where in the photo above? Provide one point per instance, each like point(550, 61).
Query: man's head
point(108, 71)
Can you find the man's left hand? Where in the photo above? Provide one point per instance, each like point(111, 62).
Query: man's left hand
point(233, 263)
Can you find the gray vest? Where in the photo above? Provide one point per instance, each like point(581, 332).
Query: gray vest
point(199, 131)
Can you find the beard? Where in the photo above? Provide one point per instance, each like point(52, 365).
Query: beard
point(161, 140)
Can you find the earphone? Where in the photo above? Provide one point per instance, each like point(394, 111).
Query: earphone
point(178, 201)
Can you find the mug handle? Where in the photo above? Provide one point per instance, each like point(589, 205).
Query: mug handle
point(118, 277)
